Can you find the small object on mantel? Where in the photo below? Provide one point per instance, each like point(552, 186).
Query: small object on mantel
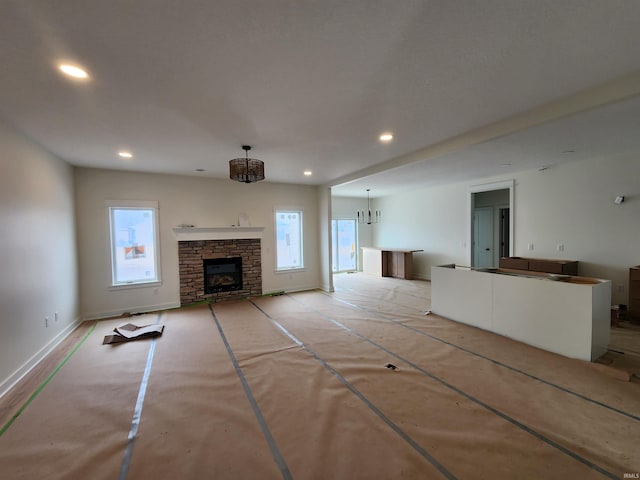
point(243, 220)
point(391, 366)
point(185, 225)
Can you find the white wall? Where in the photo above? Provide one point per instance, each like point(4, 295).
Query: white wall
point(325, 247)
point(570, 204)
point(203, 202)
point(37, 253)
point(433, 219)
point(573, 205)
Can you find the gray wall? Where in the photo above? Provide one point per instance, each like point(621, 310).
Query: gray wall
point(37, 253)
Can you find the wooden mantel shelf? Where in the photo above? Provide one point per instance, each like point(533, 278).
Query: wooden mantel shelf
point(216, 233)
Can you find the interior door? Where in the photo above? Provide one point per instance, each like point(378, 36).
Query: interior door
point(483, 237)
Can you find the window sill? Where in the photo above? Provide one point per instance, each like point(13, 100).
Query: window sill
point(126, 286)
point(290, 270)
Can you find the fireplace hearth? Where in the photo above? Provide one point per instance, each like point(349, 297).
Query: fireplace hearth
point(222, 274)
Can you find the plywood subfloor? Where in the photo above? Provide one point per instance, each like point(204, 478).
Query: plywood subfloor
point(298, 386)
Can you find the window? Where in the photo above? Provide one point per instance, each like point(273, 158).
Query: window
point(343, 233)
point(134, 242)
point(289, 239)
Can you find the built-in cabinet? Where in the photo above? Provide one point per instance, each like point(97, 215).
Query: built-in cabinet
point(564, 267)
point(388, 263)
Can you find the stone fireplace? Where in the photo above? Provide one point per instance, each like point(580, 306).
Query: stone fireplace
point(218, 269)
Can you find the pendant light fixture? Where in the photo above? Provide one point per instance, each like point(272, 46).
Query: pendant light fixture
point(246, 170)
point(367, 216)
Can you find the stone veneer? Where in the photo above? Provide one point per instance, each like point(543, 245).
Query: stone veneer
point(191, 253)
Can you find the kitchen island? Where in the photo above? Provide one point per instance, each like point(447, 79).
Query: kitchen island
point(565, 314)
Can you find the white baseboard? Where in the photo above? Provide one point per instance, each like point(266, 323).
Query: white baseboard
point(420, 276)
point(293, 290)
point(16, 376)
point(302, 289)
point(326, 288)
point(117, 313)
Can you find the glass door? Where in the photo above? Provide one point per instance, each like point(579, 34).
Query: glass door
point(344, 245)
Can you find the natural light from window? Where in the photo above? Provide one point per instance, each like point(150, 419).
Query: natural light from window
point(343, 234)
point(134, 251)
point(289, 240)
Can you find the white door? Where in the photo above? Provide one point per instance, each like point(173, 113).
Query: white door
point(483, 237)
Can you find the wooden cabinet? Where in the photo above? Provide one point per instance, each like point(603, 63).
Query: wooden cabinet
point(564, 267)
point(388, 263)
point(634, 293)
point(401, 264)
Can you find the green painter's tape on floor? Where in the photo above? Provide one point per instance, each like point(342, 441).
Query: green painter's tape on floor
point(6, 426)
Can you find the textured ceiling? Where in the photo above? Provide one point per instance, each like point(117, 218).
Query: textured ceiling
point(311, 84)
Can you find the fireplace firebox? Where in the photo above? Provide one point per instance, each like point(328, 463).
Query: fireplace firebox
point(222, 274)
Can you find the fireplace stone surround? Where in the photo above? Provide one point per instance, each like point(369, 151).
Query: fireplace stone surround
point(192, 253)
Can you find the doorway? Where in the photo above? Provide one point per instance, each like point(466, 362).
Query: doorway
point(343, 233)
point(490, 224)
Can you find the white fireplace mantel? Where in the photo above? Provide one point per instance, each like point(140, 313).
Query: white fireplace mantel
point(216, 233)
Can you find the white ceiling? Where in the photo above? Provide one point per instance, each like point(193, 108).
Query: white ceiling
point(311, 84)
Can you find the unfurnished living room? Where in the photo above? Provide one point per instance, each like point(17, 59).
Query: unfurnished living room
point(365, 239)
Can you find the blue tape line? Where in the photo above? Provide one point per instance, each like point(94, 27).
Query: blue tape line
point(137, 411)
point(496, 362)
point(493, 410)
point(277, 456)
point(364, 399)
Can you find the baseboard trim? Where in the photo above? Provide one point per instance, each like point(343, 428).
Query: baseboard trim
point(419, 276)
point(291, 290)
point(30, 364)
point(118, 313)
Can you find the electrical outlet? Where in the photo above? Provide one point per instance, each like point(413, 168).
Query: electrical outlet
point(561, 247)
point(530, 246)
point(46, 322)
point(620, 288)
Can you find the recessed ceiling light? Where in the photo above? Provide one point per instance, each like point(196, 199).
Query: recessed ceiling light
point(386, 137)
point(73, 71)
point(125, 154)
point(308, 173)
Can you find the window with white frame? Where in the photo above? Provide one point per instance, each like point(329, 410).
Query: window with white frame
point(134, 242)
point(289, 239)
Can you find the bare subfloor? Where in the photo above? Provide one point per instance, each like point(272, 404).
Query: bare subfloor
point(358, 384)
